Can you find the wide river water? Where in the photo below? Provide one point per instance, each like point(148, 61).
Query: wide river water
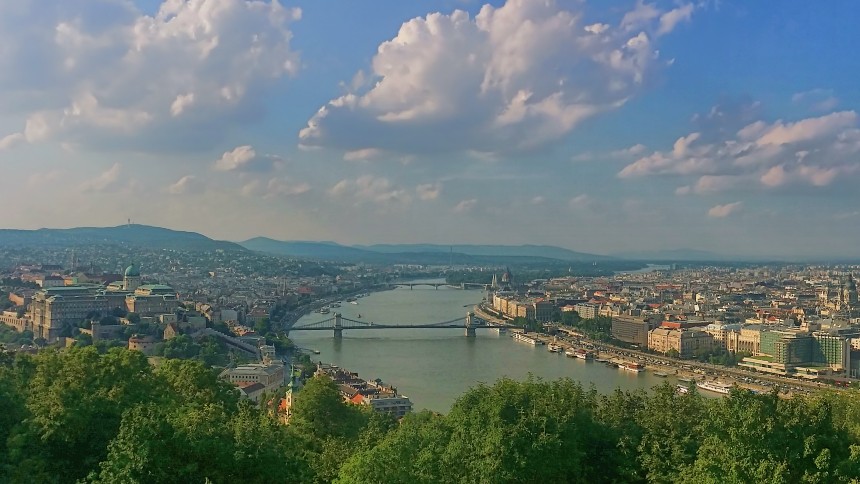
point(435, 366)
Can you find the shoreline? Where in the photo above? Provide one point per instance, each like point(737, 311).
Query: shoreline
point(688, 369)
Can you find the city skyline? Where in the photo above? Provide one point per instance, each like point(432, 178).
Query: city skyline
point(598, 127)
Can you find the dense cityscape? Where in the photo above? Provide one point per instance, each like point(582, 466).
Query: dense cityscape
point(782, 331)
point(438, 241)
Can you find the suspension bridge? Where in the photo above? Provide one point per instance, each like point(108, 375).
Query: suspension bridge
point(437, 285)
point(337, 324)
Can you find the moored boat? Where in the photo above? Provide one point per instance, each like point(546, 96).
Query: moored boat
point(527, 339)
point(580, 353)
point(632, 367)
point(661, 375)
point(682, 389)
point(714, 386)
point(553, 348)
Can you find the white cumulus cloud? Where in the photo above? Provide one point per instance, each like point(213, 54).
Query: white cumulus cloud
point(284, 187)
point(814, 151)
point(11, 140)
point(670, 19)
point(513, 78)
point(465, 205)
point(722, 211)
point(103, 73)
point(363, 154)
point(238, 158)
point(184, 185)
point(428, 191)
point(371, 189)
point(108, 180)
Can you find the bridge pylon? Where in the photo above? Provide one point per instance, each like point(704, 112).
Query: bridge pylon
point(338, 326)
point(470, 328)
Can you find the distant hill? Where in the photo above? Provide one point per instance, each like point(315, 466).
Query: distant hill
point(418, 253)
point(306, 249)
point(542, 251)
point(672, 255)
point(134, 235)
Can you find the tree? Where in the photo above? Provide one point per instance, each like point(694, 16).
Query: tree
point(763, 438)
point(531, 431)
point(570, 318)
point(133, 318)
point(672, 426)
point(190, 382)
point(76, 399)
point(109, 321)
point(83, 339)
point(261, 327)
point(12, 403)
point(181, 346)
point(319, 410)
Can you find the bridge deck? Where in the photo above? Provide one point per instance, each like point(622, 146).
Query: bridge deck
point(388, 326)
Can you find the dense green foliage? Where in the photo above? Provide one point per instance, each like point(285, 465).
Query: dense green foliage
point(12, 337)
point(81, 416)
point(598, 328)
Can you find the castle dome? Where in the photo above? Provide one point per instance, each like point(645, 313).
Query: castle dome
point(132, 271)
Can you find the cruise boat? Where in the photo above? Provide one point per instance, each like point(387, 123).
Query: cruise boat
point(714, 386)
point(553, 348)
point(527, 339)
point(580, 353)
point(633, 367)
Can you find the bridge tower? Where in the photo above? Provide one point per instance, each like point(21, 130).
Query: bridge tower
point(338, 326)
point(470, 328)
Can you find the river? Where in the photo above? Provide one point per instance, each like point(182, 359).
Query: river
point(435, 366)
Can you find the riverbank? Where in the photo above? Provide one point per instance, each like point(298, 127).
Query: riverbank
point(683, 369)
point(304, 310)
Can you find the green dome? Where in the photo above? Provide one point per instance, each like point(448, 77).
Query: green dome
point(132, 271)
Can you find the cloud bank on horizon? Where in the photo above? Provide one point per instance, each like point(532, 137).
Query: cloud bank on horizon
point(635, 125)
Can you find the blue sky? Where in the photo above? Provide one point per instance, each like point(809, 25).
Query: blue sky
point(727, 126)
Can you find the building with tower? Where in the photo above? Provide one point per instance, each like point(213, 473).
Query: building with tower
point(507, 280)
point(54, 309)
point(131, 278)
point(848, 293)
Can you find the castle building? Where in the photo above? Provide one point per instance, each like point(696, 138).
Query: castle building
point(53, 309)
point(152, 299)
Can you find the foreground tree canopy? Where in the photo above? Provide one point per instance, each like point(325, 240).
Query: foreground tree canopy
point(78, 416)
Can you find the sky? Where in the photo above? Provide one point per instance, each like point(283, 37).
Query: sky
point(720, 125)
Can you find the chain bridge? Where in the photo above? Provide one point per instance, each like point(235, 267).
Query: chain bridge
point(338, 324)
